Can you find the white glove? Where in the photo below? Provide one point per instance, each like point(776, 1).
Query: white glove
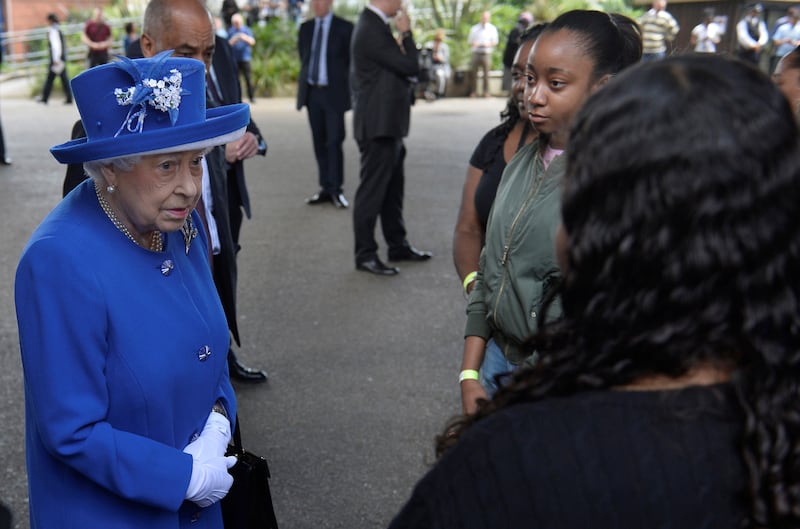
point(210, 481)
point(213, 440)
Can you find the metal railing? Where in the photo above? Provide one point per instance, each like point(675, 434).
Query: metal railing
point(27, 50)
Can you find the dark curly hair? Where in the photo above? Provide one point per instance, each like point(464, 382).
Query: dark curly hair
point(681, 207)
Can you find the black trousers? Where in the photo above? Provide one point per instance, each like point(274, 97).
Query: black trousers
point(379, 194)
point(327, 133)
point(246, 71)
point(48, 84)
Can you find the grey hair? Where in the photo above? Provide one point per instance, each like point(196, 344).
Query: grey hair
point(125, 163)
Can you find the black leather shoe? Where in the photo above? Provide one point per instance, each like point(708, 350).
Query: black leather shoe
point(319, 198)
point(243, 373)
point(375, 266)
point(408, 253)
point(339, 201)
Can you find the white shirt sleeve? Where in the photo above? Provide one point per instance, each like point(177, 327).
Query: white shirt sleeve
point(55, 44)
point(208, 202)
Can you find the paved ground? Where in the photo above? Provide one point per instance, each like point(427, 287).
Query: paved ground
point(362, 369)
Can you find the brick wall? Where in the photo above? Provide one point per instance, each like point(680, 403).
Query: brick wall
point(29, 14)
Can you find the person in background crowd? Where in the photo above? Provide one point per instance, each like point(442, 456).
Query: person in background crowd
point(323, 87)
point(4, 159)
point(241, 39)
point(58, 61)
point(97, 36)
point(131, 36)
point(227, 10)
point(707, 34)
point(219, 28)
point(786, 37)
point(574, 56)
point(787, 77)
point(659, 29)
point(295, 11)
point(252, 8)
point(482, 40)
point(512, 43)
point(128, 404)
point(440, 57)
point(676, 357)
point(751, 35)
point(486, 166)
point(381, 91)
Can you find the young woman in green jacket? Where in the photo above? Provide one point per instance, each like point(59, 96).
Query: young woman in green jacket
point(573, 57)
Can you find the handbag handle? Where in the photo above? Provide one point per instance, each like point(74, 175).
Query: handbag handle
point(237, 435)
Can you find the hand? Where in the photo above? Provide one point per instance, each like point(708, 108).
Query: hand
point(241, 149)
point(402, 22)
point(210, 481)
point(213, 440)
point(471, 391)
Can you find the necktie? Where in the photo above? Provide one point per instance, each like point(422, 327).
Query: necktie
point(212, 90)
point(316, 51)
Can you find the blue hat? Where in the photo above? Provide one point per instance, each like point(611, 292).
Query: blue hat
point(147, 106)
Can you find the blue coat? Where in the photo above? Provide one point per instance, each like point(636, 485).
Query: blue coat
point(115, 385)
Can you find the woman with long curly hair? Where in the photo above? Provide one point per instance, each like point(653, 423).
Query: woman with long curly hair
point(667, 393)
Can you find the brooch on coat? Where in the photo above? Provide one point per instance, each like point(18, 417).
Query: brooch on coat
point(189, 232)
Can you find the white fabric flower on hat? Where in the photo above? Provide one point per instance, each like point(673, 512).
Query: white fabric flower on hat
point(162, 94)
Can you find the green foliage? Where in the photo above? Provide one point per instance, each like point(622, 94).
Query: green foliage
point(456, 17)
point(275, 63)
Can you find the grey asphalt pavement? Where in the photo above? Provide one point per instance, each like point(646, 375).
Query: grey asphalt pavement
point(362, 369)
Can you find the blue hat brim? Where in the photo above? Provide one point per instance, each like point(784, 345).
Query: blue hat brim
point(220, 123)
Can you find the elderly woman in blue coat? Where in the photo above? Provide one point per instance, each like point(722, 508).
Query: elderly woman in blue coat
point(122, 335)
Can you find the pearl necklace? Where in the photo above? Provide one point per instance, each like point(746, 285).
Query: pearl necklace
point(156, 241)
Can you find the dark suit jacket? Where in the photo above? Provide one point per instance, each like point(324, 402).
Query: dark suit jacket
point(337, 59)
point(379, 79)
point(225, 269)
point(224, 64)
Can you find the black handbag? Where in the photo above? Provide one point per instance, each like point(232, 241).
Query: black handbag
point(248, 505)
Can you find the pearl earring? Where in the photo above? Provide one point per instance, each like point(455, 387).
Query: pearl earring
point(111, 189)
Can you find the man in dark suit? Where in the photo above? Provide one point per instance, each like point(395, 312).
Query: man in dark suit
point(380, 72)
point(324, 46)
point(186, 27)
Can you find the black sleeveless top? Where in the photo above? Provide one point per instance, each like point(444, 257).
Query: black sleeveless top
point(488, 156)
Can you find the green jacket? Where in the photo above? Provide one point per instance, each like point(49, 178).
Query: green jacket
point(518, 262)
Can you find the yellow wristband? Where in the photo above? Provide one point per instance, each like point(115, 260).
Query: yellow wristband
point(469, 278)
point(468, 374)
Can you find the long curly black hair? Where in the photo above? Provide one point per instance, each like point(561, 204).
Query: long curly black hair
point(681, 205)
